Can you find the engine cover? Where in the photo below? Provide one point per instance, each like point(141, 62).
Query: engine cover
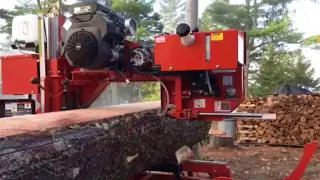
point(82, 48)
point(94, 36)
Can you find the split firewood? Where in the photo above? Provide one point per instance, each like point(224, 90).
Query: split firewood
point(297, 123)
point(109, 143)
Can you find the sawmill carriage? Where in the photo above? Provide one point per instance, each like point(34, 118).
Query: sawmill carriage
point(76, 58)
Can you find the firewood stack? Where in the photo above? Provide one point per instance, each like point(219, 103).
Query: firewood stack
point(297, 123)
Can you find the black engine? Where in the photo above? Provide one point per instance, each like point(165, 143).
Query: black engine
point(94, 36)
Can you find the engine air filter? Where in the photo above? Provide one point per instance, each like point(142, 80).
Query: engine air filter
point(81, 48)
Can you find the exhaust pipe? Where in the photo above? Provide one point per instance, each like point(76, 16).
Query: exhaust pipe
point(183, 30)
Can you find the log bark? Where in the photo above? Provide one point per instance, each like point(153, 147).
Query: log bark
point(297, 123)
point(110, 143)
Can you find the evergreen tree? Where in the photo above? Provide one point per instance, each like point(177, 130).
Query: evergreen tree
point(282, 67)
point(272, 72)
point(5, 14)
point(303, 73)
point(172, 12)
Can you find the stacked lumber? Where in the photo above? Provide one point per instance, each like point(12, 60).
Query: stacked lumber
point(297, 123)
point(110, 143)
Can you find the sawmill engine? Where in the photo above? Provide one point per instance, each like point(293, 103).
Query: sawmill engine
point(94, 36)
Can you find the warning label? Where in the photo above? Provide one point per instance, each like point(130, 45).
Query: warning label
point(227, 81)
point(17, 108)
point(160, 39)
point(222, 106)
point(216, 36)
point(199, 103)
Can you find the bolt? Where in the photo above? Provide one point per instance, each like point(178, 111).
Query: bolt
point(171, 68)
point(217, 66)
point(58, 72)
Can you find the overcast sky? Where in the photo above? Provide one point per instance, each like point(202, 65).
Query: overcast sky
point(306, 20)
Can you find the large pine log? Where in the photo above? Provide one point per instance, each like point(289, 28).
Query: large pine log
point(110, 143)
point(297, 123)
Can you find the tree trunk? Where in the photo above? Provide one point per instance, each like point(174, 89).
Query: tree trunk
point(246, 74)
point(250, 41)
point(110, 143)
point(247, 30)
point(39, 4)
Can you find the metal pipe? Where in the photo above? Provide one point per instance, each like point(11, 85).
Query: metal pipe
point(183, 30)
point(192, 13)
point(187, 40)
point(204, 162)
point(242, 115)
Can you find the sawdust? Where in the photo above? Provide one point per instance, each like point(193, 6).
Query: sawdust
point(263, 163)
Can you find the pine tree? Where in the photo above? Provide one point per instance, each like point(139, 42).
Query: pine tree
point(5, 14)
point(273, 71)
point(172, 13)
point(282, 67)
point(303, 73)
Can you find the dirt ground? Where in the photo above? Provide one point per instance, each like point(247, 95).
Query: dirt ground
point(263, 162)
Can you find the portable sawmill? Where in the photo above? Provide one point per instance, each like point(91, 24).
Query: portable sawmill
point(75, 58)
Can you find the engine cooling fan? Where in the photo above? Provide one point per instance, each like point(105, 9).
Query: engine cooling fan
point(81, 48)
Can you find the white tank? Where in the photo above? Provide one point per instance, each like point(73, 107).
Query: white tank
point(25, 28)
